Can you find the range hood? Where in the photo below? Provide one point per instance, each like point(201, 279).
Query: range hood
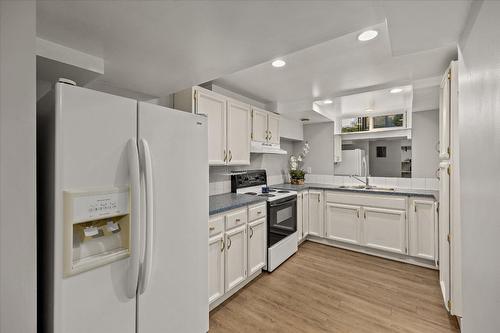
point(266, 148)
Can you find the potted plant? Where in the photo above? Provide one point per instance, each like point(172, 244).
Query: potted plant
point(297, 175)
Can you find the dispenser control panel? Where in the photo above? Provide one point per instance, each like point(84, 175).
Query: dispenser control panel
point(90, 206)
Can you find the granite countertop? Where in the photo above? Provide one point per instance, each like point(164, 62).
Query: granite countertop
point(224, 202)
point(397, 191)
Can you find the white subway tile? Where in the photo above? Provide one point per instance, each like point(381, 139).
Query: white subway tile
point(404, 182)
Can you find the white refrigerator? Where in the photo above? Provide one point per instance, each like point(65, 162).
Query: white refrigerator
point(352, 163)
point(123, 211)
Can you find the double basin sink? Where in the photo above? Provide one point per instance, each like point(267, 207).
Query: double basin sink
point(367, 188)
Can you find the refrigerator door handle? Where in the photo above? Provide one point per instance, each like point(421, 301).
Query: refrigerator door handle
point(149, 239)
point(135, 216)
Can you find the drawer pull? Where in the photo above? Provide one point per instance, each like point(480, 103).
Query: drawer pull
point(211, 228)
point(259, 212)
point(237, 220)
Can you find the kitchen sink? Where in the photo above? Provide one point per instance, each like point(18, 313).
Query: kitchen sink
point(370, 188)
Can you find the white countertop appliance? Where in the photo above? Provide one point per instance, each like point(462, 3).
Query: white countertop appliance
point(123, 207)
point(281, 214)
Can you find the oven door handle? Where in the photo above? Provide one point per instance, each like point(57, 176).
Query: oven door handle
point(282, 203)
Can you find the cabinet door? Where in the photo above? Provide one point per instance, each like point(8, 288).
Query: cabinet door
point(343, 223)
point(214, 106)
point(305, 213)
point(300, 234)
point(257, 245)
point(444, 117)
point(384, 229)
point(316, 213)
point(238, 133)
point(444, 231)
point(259, 125)
point(236, 257)
point(215, 267)
point(422, 229)
point(273, 127)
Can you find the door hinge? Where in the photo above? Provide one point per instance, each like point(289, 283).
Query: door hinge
point(251, 135)
point(437, 207)
point(449, 74)
point(449, 238)
point(406, 250)
point(448, 151)
point(415, 207)
point(449, 170)
point(319, 199)
point(449, 304)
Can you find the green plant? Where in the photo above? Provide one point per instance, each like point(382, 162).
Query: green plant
point(297, 174)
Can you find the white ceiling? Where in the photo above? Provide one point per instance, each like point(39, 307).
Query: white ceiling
point(159, 47)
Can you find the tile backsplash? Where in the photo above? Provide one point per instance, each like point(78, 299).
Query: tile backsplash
point(220, 186)
point(413, 183)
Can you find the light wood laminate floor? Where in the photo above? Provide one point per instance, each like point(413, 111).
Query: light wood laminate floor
point(325, 289)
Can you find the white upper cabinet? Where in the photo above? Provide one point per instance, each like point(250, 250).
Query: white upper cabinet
point(343, 223)
point(316, 213)
point(259, 125)
point(273, 128)
point(238, 133)
point(214, 107)
point(265, 126)
point(423, 226)
point(385, 229)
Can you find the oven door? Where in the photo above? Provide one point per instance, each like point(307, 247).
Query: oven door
point(282, 219)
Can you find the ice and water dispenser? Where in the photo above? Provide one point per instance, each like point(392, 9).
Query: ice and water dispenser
point(97, 228)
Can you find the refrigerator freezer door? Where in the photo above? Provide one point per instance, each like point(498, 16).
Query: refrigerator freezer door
point(92, 133)
point(175, 298)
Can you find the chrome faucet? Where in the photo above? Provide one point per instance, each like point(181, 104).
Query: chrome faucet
point(366, 181)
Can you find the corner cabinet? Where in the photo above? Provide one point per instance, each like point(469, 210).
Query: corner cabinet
point(265, 126)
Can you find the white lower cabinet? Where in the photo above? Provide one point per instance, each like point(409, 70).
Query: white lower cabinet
point(305, 213)
point(316, 213)
point(385, 229)
point(256, 245)
point(423, 229)
point(343, 223)
point(235, 257)
point(215, 267)
point(237, 250)
point(300, 232)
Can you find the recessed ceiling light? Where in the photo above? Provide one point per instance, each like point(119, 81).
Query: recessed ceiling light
point(278, 63)
point(367, 35)
point(327, 101)
point(396, 90)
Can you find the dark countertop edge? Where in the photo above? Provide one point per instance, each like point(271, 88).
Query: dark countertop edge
point(232, 201)
point(399, 191)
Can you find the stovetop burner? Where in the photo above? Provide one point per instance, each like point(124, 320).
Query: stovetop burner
point(251, 193)
point(266, 195)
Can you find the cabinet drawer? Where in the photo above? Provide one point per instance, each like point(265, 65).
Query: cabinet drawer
point(367, 199)
point(257, 212)
point(236, 218)
point(215, 225)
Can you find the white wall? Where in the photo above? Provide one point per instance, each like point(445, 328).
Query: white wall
point(479, 132)
point(389, 166)
point(320, 157)
point(17, 167)
point(425, 135)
